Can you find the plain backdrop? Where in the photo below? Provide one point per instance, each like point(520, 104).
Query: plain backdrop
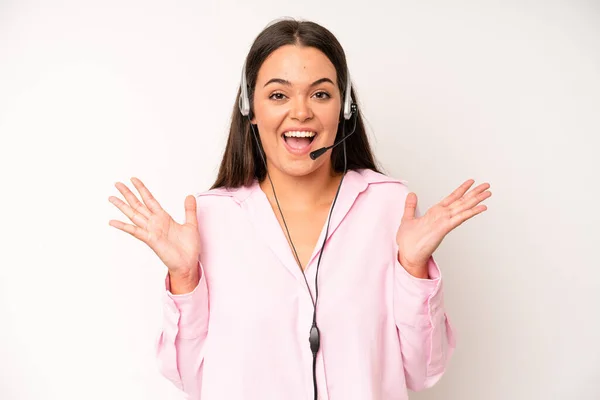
point(95, 92)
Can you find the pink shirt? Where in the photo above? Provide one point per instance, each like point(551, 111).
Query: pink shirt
point(243, 332)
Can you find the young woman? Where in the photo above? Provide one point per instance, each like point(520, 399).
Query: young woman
point(303, 272)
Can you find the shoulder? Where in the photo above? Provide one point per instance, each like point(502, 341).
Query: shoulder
point(220, 210)
point(224, 197)
point(381, 199)
point(374, 178)
point(381, 193)
point(377, 182)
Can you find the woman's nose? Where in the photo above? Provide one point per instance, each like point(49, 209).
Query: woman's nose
point(301, 110)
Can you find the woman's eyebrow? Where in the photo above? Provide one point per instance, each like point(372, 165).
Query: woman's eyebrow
point(288, 83)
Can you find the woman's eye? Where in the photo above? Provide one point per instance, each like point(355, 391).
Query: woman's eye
point(322, 95)
point(277, 96)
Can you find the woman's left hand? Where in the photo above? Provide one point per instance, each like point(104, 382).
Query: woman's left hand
point(419, 237)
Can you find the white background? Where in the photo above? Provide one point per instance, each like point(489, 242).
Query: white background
point(94, 92)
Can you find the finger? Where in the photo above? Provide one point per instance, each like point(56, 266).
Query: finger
point(133, 230)
point(469, 201)
point(475, 191)
point(458, 219)
point(478, 198)
point(147, 197)
point(190, 211)
point(132, 199)
point(410, 206)
point(133, 216)
point(457, 193)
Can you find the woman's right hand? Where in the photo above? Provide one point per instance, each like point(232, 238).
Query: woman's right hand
point(178, 246)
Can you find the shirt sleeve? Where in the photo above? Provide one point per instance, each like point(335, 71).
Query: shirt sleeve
point(426, 336)
point(180, 344)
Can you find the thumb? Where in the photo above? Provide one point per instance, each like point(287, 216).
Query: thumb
point(190, 211)
point(410, 206)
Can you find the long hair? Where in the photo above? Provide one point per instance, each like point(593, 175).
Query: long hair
point(242, 162)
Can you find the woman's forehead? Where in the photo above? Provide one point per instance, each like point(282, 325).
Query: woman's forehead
point(296, 64)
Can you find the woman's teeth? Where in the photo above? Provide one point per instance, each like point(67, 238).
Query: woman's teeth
point(299, 134)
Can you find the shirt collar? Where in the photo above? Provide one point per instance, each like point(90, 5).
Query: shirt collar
point(359, 180)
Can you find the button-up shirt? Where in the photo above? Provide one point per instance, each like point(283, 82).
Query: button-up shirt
point(242, 333)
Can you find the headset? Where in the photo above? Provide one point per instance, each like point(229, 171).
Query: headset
point(349, 109)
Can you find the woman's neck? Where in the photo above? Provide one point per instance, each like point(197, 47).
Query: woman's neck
point(302, 192)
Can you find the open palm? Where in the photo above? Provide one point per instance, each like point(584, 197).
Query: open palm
point(177, 245)
point(420, 235)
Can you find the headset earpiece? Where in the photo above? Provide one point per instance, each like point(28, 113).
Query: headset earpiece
point(349, 106)
point(244, 101)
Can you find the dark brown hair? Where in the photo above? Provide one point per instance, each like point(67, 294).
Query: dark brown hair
point(242, 162)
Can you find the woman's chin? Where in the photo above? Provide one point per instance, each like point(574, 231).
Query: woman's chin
point(300, 168)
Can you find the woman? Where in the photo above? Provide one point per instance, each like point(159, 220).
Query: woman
point(301, 275)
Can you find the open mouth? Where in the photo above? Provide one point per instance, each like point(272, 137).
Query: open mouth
point(299, 140)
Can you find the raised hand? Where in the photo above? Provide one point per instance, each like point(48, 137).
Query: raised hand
point(419, 237)
point(177, 245)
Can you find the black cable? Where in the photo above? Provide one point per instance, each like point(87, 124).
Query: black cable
point(280, 212)
point(314, 336)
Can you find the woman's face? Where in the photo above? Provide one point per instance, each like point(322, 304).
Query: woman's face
point(296, 108)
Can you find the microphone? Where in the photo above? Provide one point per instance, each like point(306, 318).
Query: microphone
point(319, 152)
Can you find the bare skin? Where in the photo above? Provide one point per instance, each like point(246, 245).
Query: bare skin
point(177, 245)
